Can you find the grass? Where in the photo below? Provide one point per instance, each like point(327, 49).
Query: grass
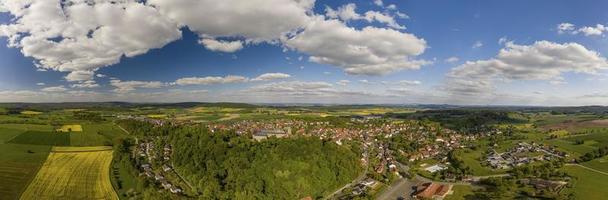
point(7, 134)
point(460, 192)
point(589, 184)
point(70, 128)
point(18, 165)
point(73, 175)
point(28, 127)
point(42, 138)
point(600, 164)
point(81, 149)
point(95, 135)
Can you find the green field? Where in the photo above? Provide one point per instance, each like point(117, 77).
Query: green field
point(95, 135)
point(42, 138)
point(600, 164)
point(589, 184)
point(591, 142)
point(18, 165)
point(28, 127)
point(460, 192)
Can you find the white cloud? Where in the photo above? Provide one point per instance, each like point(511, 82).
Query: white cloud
point(565, 27)
point(128, 86)
point(542, 60)
point(370, 51)
point(394, 7)
point(592, 31)
point(256, 20)
point(452, 59)
point(378, 2)
point(40, 84)
point(343, 82)
point(209, 80)
point(348, 12)
point(79, 76)
point(222, 46)
point(83, 36)
point(409, 83)
point(86, 84)
point(100, 75)
point(596, 30)
point(271, 76)
point(477, 44)
point(60, 88)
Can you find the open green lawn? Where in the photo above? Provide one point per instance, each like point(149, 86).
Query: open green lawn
point(570, 147)
point(18, 165)
point(473, 160)
point(7, 134)
point(589, 184)
point(600, 164)
point(95, 135)
point(460, 192)
point(42, 138)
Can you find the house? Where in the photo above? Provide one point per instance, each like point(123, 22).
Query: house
point(435, 168)
point(432, 191)
point(176, 190)
point(266, 133)
point(166, 168)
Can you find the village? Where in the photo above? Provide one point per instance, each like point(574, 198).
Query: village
point(156, 166)
point(521, 154)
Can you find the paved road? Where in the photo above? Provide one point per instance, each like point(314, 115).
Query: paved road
point(588, 168)
point(401, 189)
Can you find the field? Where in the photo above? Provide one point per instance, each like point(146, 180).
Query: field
point(591, 142)
point(600, 164)
point(589, 184)
point(28, 112)
point(460, 192)
point(70, 128)
point(42, 138)
point(73, 175)
point(18, 163)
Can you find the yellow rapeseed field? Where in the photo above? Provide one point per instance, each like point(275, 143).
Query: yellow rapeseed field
point(70, 128)
point(73, 175)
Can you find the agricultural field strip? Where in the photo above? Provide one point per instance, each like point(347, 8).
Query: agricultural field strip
point(86, 166)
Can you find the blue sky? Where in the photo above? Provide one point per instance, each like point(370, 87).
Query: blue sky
point(414, 51)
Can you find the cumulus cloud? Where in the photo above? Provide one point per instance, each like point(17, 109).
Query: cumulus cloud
point(271, 76)
point(85, 84)
point(60, 88)
point(348, 12)
point(40, 84)
point(370, 51)
point(542, 60)
point(81, 36)
point(565, 27)
point(378, 2)
point(597, 30)
point(256, 20)
point(452, 59)
point(209, 80)
point(128, 86)
point(222, 46)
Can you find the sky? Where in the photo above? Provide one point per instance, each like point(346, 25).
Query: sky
point(470, 52)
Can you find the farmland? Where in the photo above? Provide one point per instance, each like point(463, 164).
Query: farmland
point(70, 128)
point(18, 163)
point(73, 175)
point(42, 138)
point(589, 184)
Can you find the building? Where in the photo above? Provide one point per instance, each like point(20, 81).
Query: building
point(266, 133)
point(432, 191)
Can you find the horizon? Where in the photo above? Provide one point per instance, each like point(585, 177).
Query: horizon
point(350, 52)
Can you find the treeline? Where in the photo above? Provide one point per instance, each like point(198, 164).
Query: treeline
point(463, 120)
point(229, 166)
point(598, 153)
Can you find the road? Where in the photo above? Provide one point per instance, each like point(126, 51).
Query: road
point(588, 168)
point(401, 189)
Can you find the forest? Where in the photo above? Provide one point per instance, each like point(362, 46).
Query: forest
point(230, 166)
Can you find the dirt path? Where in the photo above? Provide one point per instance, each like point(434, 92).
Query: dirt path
point(590, 169)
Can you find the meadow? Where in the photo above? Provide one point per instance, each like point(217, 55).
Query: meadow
point(73, 175)
point(42, 138)
point(600, 164)
point(589, 184)
point(18, 163)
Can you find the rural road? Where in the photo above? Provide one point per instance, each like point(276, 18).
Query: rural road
point(401, 189)
point(588, 168)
